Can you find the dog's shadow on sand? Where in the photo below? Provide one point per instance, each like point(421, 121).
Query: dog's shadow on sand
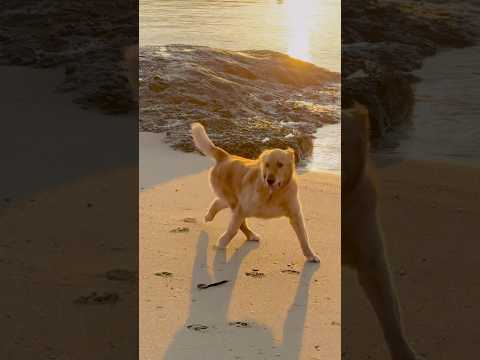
point(208, 333)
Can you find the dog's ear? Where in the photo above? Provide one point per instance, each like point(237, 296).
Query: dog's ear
point(291, 153)
point(130, 55)
point(355, 144)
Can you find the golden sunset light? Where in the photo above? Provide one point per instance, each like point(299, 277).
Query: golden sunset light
point(299, 20)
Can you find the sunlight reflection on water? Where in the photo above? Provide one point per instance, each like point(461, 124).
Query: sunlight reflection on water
point(306, 29)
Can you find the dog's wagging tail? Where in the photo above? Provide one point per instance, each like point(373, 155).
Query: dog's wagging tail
point(263, 188)
point(205, 145)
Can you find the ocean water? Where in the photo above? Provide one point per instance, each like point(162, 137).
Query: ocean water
point(304, 29)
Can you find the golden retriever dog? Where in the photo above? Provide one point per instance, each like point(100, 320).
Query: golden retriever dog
point(262, 188)
point(362, 239)
point(130, 56)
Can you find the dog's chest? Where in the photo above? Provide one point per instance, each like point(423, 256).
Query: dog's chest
point(263, 207)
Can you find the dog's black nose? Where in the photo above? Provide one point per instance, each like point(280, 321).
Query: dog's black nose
point(270, 181)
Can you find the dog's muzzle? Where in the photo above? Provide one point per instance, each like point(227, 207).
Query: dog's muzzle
point(270, 181)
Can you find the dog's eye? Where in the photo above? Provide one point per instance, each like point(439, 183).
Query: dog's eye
point(279, 164)
point(267, 165)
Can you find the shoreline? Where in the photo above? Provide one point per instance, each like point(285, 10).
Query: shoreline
point(159, 163)
point(379, 73)
point(442, 126)
point(28, 101)
point(93, 69)
point(261, 98)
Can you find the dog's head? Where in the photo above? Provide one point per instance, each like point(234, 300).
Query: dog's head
point(131, 62)
point(355, 141)
point(277, 167)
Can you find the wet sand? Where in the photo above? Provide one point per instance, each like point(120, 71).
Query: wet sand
point(45, 146)
point(430, 215)
point(55, 251)
point(59, 225)
point(444, 123)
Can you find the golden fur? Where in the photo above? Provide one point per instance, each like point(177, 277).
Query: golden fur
point(262, 188)
point(362, 239)
point(131, 61)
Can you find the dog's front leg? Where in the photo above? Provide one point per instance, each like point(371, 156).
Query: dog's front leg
point(374, 276)
point(298, 224)
point(251, 236)
point(235, 223)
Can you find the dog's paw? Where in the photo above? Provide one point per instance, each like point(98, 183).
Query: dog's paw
point(313, 258)
point(208, 217)
point(253, 237)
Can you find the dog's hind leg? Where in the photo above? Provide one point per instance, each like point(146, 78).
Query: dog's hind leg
point(251, 236)
point(215, 207)
point(233, 227)
point(375, 278)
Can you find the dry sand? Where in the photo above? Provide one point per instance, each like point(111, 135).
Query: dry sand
point(158, 163)
point(430, 212)
point(280, 315)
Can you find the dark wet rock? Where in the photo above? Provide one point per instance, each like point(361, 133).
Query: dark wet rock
point(383, 42)
point(427, 25)
point(387, 93)
point(59, 33)
point(367, 56)
point(248, 100)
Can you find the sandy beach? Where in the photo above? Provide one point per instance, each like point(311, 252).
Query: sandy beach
point(63, 196)
point(430, 215)
point(283, 309)
point(52, 145)
point(57, 249)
